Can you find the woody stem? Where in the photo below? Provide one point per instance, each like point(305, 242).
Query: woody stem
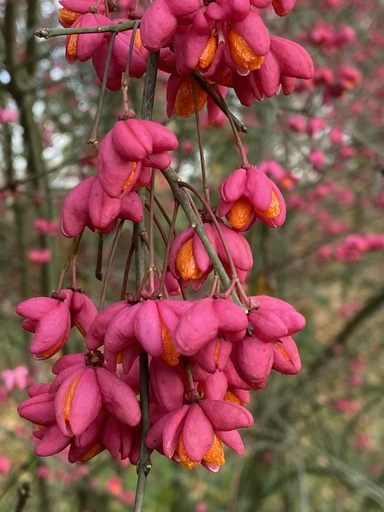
point(182, 197)
point(144, 464)
point(47, 33)
point(239, 143)
point(150, 234)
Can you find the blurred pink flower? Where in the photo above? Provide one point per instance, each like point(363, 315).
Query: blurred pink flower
point(115, 486)
point(44, 226)
point(39, 255)
point(187, 146)
point(316, 124)
point(349, 308)
point(357, 365)
point(5, 465)
point(3, 395)
point(8, 115)
point(297, 124)
point(324, 253)
point(344, 405)
point(43, 471)
point(355, 380)
point(363, 441)
point(201, 506)
point(129, 497)
point(336, 136)
point(317, 159)
point(15, 378)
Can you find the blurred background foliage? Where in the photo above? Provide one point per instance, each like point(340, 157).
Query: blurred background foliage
point(316, 444)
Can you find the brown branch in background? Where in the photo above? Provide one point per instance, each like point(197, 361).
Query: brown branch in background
point(23, 493)
point(370, 307)
point(31, 137)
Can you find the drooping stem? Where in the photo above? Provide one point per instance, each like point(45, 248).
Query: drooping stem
point(151, 247)
point(168, 246)
point(93, 137)
point(181, 196)
point(219, 102)
point(126, 271)
point(109, 264)
point(200, 142)
point(71, 253)
point(99, 259)
point(125, 83)
point(239, 143)
point(216, 224)
point(144, 464)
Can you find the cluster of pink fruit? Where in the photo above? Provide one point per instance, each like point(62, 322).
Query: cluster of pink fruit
point(205, 355)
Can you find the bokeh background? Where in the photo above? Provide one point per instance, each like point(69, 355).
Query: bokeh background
point(316, 444)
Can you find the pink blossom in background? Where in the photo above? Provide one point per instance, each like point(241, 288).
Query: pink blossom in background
point(333, 4)
point(350, 308)
point(323, 254)
point(344, 405)
point(357, 365)
point(346, 196)
point(3, 395)
point(317, 159)
point(297, 124)
point(128, 497)
point(201, 506)
point(336, 136)
point(347, 152)
point(363, 441)
point(46, 227)
point(8, 115)
point(323, 76)
point(338, 349)
point(5, 465)
point(267, 457)
point(315, 125)
point(43, 471)
point(115, 486)
point(355, 381)
point(187, 146)
point(39, 255)
point(16, 378)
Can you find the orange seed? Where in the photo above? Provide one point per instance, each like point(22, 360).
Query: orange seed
point(185, 262)
point(239, 214)
point(273, 210)
point(241, 52)
point(184, 104)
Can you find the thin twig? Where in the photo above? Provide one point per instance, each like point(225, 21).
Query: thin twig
point(240, 126)
point(109, 264)
point(181, 196)
point(47, 33)
point(168, 246)
point(93, 137)
point(200, 142)
point(151, 247)
point(234, 276)
point(126, 271)
point(235, 131)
